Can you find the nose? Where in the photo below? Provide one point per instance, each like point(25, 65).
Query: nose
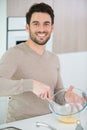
point(41, 28)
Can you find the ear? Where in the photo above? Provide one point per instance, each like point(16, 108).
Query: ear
point(52, 28)
point(27, 27)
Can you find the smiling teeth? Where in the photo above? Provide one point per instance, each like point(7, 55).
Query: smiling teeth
point(41, 35)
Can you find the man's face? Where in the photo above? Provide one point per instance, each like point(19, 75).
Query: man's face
point(40, 28)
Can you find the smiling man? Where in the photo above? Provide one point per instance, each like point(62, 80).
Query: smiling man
point(29, 74)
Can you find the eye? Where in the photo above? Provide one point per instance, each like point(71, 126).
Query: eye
point(35, 23)
point(47, 24)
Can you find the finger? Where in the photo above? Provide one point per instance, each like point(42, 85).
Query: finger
point(83, 101)
point(71, 108)
point(70, 88)
point(49, 95)
point(77, 106)
point(74, 107)
point(43, 95)
point(68, 95)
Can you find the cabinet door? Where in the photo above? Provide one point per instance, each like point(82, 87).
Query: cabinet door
point(70, 33)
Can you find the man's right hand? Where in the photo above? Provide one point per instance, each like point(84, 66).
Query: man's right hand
point(41, 90)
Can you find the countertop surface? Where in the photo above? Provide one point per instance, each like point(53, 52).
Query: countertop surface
point(30, 124)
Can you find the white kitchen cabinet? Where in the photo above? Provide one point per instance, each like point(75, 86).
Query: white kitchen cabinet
point(3, 109)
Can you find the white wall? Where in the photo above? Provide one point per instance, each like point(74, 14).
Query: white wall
point(3, 11)
point(74, 69)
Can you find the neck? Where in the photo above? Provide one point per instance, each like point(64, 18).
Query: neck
point(35, 47)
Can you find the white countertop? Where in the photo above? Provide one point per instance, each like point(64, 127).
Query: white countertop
point(30, 124)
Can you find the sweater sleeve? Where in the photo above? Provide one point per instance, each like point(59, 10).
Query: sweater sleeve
point(8, 86)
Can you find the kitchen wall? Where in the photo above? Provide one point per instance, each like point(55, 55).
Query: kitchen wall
point(74, 69)
point(3, 15)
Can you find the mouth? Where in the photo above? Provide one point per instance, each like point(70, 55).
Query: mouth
point(41, 35)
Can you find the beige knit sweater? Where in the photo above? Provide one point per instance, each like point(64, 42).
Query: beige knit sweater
point(18, 66)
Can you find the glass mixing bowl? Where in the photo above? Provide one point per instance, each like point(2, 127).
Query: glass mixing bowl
point(68, 112)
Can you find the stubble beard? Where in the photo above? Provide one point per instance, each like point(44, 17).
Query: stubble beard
point(38, 42)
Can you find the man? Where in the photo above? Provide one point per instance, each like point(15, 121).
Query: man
point(29, 74)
